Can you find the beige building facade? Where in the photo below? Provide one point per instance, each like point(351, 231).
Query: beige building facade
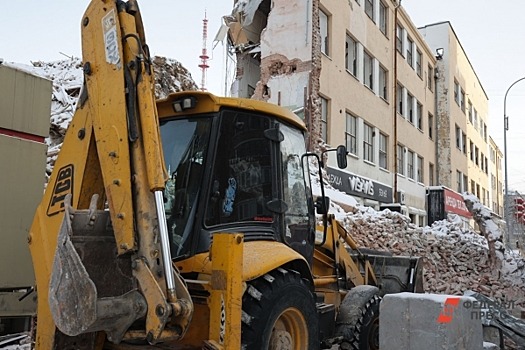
point(361, 74)
point(463, 117)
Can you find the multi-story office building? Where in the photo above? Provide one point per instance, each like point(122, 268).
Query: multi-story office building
point(361, 74)
point(462, 116)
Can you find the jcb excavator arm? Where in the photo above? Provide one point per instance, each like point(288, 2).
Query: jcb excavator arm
point(99, 241)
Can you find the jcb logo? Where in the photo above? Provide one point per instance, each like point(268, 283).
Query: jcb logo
point(63, 186)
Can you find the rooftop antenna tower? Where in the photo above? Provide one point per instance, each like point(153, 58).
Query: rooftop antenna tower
point(204, 54)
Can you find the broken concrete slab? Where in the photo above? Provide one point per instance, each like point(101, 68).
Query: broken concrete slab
point(411, 321)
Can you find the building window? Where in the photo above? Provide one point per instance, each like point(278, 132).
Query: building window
point(324, 119)
point(459, 177)
point(383, 18)
point(351, 55)
point(399, 39)
point(456, 92)
point(400, 159)
point(430, 126)
point(419, 169)
point(399, 97)
point(470, 111)
point(475, 119)
point(410, 164)
point(472, 152)
point(323, 24)
point(465, 183)
point(410, 108)
point(431, 174)
point(383, 151)
point(369, 71)
point(464, 142)
point(485, 132)
point(419, 56)
point(476, 155)
point(486, 166)
point(419, 117)
point(369, 9)
point(410, 52)
point(482, 159)
point(473, 187)
point(351, 133)
point(458, 137)
point(429, 78)
point(462, 102)
point(383, 82)
point(368, 143)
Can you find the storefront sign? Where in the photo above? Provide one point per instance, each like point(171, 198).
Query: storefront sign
point(454, 203)
point(359, 186)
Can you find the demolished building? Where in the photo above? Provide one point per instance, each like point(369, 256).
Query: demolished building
point(360, 73)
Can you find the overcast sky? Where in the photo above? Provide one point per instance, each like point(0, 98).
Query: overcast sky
point(491, 32)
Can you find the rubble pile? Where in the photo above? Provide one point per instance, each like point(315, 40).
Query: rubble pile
point(67, 78)
point(454, 259)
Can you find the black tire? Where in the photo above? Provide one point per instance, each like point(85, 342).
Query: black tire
point(359, 326)
point(279, 312)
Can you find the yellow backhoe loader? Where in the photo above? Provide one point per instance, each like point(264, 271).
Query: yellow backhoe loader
point(189, 222)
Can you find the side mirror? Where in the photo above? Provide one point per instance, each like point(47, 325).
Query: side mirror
point(341, 157)
point(320, 206)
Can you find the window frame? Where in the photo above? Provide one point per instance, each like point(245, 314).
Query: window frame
point(399, 96)
point(325, 106)
point(368, 142)
point(401, 158)
point(400, 42)
point(383, 18)
point(410, 52)
point(369, 9)
point(383, 151)
point(351, 46)
point(351, 135)
point(420, 169)
point(410, 164)
point(419, 62)
point(383, 82)
point(325, 39)
point(410, 108)
point(370, 78)
point(430, 78)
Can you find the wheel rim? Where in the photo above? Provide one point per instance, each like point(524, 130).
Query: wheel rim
point(290, 331)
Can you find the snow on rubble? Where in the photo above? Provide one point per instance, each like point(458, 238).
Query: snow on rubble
point(455, 259)
point(67, 77)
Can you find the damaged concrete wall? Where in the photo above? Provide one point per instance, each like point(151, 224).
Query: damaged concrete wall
point(290, 64)
point(290, 60)
point(245, 33)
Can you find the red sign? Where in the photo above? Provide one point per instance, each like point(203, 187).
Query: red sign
point(454, 203)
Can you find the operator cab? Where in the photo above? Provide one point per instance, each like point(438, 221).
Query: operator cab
point(234, 166)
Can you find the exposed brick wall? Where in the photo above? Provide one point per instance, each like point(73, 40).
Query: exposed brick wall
point(444, 143)
point(313, 110)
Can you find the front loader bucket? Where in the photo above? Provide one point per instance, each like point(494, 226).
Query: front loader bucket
point(91, 288)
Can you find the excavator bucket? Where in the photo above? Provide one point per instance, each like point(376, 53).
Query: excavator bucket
point(83, 297)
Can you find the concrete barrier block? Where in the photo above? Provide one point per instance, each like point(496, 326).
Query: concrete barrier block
point(411, 321)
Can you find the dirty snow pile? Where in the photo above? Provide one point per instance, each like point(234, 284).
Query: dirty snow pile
point(67, 77)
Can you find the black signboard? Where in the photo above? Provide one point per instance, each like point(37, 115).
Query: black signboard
point(359, 186)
